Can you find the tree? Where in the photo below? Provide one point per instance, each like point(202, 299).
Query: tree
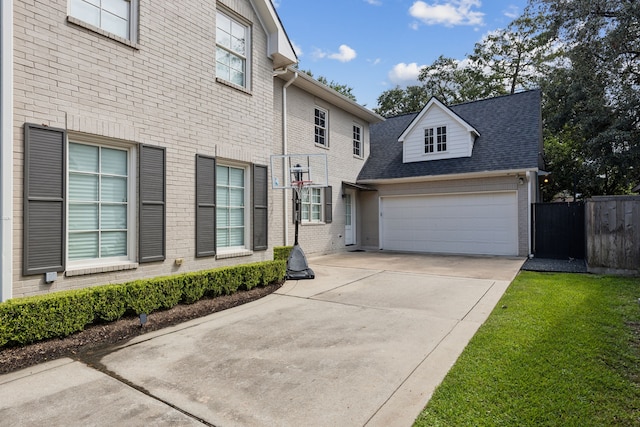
point(514, 58)
point(340, 88)
point(595, 93)
point(397, 101)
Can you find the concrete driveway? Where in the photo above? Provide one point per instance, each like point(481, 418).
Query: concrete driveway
point(364, 343)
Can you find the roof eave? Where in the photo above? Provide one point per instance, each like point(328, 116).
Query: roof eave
point(279, 47)
point(446, 177)
point(324, 92)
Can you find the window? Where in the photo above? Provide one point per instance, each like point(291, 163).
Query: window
point(357, 141)
point(230, 207)
point(312, 205)
point(321, 127)
point(98, 203)
point(438, 144)
point(80, 203)
point(428, 140)
point(441, 134)
point(118, 17)
point(232, 47)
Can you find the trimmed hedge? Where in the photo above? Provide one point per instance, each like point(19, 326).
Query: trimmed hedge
point(282, 252)
point(30, 319)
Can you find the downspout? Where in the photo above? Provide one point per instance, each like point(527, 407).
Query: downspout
point(6, 148)
point(529, 212)
point(285, 150)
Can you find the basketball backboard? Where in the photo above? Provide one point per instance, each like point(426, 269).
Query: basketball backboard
point(286, 169)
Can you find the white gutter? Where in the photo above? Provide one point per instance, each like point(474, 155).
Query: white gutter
point(529, 210)
point(6, 148)
point(425, 178)
point(285, 150)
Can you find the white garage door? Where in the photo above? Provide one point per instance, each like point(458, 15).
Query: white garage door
point(479, 223)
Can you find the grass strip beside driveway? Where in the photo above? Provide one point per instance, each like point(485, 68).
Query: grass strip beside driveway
point(558, 350)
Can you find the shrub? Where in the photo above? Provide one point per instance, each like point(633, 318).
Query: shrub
point(30, 319)
point(281, 252)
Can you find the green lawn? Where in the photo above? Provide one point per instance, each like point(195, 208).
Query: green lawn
point(558, 350)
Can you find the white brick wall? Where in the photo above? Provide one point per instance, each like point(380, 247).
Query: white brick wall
point(342, 165)
point(161, 92)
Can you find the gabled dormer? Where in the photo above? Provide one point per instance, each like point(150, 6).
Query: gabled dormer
point(437, 133)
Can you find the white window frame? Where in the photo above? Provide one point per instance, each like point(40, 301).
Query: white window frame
point(433, 141)
point(358, 141)
point(441, 139)
point(247, 53)
point(308, 203)
point(132, 21)
point(222, 250)
point(132, 211)
point(318, 127)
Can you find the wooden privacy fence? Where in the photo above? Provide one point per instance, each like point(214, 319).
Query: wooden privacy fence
point(613, 234)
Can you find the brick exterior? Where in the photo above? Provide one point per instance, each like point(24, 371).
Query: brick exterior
point(342, 164)
point(161, 91)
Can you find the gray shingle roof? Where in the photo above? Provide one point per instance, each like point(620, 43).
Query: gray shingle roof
point(510, 138)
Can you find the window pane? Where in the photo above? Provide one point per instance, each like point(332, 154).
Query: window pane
point(113, 243)
point(223, 38)
point(83, 187)
point(115, 25)
point(222, 175)
point(316, 195)
point(113, 217)
point(236, 197)
point(222, 218)
point(113, 189)
point(315, 212)
point(86, 12)
point(236, 177)
point(83, 245)
point(223, 72)
point(83, 217)
point(119, 8)
point(114, 161)
point(222, 197)
point(223, 23)
point(237, 64)
point(236, 217)
point(83, 158)
point(236, 237)
point(236, 77)
point(222, 239)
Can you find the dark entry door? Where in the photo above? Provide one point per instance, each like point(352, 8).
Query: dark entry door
point(559, 231)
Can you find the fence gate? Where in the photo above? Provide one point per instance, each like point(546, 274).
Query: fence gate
point(558, 230)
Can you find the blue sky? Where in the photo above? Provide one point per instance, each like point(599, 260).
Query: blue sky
point(376, 45)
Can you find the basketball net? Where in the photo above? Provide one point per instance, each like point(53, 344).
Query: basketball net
point(302, 189)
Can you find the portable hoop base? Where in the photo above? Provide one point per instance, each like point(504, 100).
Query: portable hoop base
point(297, 267)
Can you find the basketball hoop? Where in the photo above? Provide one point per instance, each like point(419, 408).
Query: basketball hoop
point(301, 188)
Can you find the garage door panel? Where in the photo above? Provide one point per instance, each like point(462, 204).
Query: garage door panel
point(482, 223)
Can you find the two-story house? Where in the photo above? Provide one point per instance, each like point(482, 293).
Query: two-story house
point(136, 140)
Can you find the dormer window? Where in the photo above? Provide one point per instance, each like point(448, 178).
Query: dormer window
point(435, 144)
point(441, 135)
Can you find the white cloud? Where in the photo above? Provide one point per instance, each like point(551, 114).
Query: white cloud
point(374, 2)
point(345, 54)
point(374, 61)
point(449, 14)
point(318, 54)
point(402, 74)
point(276, 4)
point(512, 12)
point(297, 48)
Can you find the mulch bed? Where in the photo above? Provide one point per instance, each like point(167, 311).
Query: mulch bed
point(102, 335)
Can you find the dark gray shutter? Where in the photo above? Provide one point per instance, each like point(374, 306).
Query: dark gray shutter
point(328, 205)
point(152, 210)
point(260, 221)
point(205, 206)
point(45, 178)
